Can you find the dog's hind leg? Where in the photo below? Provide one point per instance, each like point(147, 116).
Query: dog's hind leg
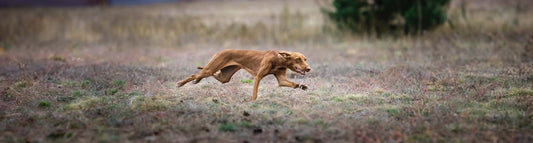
point(196, 77)
point(225, 66)
point(215, 64)
point(183, 82)
point(226, 73)
point(202, 74)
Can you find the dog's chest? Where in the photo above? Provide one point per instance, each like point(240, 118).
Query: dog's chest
point(278, 69)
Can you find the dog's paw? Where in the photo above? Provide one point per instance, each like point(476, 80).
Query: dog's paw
point(178, 84)
point(302, 86)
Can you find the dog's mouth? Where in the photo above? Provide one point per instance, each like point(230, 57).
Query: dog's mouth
point(299, 70)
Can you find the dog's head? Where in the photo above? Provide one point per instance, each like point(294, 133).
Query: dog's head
point(295, 61)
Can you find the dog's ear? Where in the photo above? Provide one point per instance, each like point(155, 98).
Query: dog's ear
point(285, 55)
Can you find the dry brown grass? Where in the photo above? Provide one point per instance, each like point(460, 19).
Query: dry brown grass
point(107, 74)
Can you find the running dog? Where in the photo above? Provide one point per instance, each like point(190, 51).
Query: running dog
point(258, 63)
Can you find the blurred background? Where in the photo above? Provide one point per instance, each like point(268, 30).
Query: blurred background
point(173, 22)
point(383, 70)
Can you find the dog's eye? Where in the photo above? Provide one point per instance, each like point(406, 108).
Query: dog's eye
point(298, 59)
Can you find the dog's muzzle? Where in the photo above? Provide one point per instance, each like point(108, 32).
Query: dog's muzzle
point(303, 71)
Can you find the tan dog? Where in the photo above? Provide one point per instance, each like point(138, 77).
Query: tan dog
point(257, 63)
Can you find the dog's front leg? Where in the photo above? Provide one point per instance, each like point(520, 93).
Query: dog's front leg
point(283, 81)
point(263, 71)
point(288, 83)
point(257, 80)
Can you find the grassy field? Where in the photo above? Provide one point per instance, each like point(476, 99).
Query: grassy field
point(107, 74)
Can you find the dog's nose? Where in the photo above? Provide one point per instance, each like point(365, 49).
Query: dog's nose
point(307, 69)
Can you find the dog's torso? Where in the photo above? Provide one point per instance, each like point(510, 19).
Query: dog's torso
point(250, 60)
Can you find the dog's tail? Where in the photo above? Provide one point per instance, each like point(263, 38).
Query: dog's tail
point(200, 67)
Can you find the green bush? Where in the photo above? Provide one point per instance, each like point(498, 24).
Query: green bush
point(381, 16)
point(432, 11)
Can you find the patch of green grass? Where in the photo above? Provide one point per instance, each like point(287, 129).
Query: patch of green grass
point(205, 86)
point(321, 91)
point(85, 84)
point(300, 120)
point(456, 127)
point(420, 137)
point(56, 81)
point(246, 80)
point(119, 83)
point(289, 112)
point(65, 99)
point(133, 93)
point(380, 90)
point(57, 58)
point(274, 104)
point(321, 123)
point(86, 103)
point(246, 124)
point(390, 110)
point(68, 135)
point(356, 96)
point(436, 88)
point(227, 128)
point(272, 111)
point(68, 83)
point(78, 93)
point(23, 84)
point(362, 99)
point(481, 79)
point(402, 97)
point(112, 91)
point(520, 92)
point(371, 121)
point(44, 103)
point(152, 103)
point(338, 99)
point(475, 113)
point(254, 105)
